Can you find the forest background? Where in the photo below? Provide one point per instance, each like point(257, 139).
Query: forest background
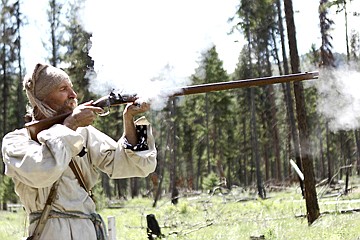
point(242, 137)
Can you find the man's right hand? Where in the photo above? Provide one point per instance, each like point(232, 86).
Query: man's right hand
point(82, 116)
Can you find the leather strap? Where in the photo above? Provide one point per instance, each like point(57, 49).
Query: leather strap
point(76, 169)
point(78, 174)
point(45, 213)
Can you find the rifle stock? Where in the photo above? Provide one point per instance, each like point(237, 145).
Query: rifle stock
point(112, 99)
point(37, 126)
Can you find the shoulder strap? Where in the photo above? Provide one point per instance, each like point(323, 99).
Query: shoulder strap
point(47, 208)
point(45, 213)
point(76, 169)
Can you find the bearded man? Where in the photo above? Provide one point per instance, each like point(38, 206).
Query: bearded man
point(40, 168)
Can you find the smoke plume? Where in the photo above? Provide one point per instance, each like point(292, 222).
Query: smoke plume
point(149, 46)
point(339, 98)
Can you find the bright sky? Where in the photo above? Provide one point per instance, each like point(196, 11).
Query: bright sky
point(138, 39)
point(135, 40)
point(307, 24)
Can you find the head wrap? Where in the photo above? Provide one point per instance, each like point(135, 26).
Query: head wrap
point(41, 83)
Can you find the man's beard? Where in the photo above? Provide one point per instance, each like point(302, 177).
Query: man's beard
point(69, 106)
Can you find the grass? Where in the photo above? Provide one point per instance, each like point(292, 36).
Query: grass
point(225, 217)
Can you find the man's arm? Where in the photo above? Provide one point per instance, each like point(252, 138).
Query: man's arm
point(130, 111)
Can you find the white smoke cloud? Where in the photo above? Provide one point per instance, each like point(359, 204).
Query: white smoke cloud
point(339, 98)
point(149, 46)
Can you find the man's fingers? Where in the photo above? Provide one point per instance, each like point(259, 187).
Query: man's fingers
point(138, 108)
point(88, 103)
point(95, 109)
point(133, 109)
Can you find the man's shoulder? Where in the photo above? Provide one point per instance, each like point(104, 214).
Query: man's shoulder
point(15, 135)
point(17, 132)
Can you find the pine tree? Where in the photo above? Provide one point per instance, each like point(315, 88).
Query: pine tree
point(77, 42)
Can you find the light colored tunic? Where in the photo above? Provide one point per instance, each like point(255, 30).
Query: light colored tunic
point(35, 167)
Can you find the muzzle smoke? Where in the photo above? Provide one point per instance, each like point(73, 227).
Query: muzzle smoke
point(339, 98)
point(147, 47)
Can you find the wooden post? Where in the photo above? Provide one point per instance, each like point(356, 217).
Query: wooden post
point(111, 228)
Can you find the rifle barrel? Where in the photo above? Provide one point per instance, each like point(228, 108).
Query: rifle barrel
point(220, 86)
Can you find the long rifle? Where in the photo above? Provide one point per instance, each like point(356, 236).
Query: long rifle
point(254, 82)
point(114, 99)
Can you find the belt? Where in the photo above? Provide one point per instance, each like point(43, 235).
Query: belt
point(94, 217)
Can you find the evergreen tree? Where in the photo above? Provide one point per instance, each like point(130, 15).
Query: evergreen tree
point(213, 113)
point(10, 79)
point(80, 65)
point(327, 57)
point(55, 13)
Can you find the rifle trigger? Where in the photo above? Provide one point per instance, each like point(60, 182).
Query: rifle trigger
point(105, 111)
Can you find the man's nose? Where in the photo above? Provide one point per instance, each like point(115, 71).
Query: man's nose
point(72, 93)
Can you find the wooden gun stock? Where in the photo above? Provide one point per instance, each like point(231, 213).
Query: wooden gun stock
point(37, 126)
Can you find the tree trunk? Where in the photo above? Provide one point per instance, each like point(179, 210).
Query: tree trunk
point(282, 38)
point(5, 92)
point(346, 31)
point(254, 143)
point(120, 188)
point(20, 95)
point(134, 186)
point(274, 130)
point(294, 133)
point(243, 169)
point(54, 14)
point(276, 53)
point(161, 166)
point(357, 141)
point(173, 172)
point(312, 206)
point(321, 152)
point(201, 150)
point(219, 153)
point(207, 134)
point(328, 155)
point(106, 185)
point(289, 100)
point(266, 145)
point(347, 160)
point(190, 159)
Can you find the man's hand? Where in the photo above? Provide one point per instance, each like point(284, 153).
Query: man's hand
point(132, 109)
point(128, 116)
point(82, 116)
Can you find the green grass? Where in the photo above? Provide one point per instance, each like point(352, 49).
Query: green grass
point(12, 225)
point(225, 217)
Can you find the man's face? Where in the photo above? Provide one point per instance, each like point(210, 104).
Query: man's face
point(63, 98)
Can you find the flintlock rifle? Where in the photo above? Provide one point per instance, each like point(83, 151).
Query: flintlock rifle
point(114, 99)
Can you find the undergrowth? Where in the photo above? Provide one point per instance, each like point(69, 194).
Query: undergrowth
point(234, 215)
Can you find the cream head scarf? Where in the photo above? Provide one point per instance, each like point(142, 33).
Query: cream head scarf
point(41, 83)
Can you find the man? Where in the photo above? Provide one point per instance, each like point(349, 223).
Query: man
point(36, 166)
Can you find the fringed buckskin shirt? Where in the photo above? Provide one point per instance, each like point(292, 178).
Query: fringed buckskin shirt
point(35, 167)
